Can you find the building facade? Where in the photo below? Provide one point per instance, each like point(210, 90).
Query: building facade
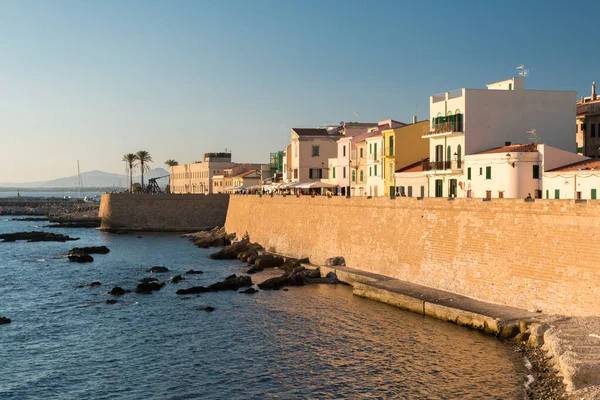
point(197, 178)
point(587, 125)
point(574, 181)
point(375, 184)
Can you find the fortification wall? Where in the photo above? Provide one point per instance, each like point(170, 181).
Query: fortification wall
point(533, 255)
point(162, 212)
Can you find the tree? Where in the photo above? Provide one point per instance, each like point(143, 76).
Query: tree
point(171, 163)
point(130, 160)
point(144, 158)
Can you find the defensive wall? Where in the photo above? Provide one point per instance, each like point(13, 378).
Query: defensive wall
point(162, 212)
point(538, 255)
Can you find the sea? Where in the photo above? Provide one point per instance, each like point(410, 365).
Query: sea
point(311, 342)
point(59, 194)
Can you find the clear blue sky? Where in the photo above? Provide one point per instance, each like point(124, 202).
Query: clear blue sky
point(92, 80)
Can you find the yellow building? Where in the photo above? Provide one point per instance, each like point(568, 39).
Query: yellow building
point(403, 146)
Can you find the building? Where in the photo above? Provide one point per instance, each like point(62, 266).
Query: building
point(225, 181)
point(410, 180)
point(276, 161)
point(247, 179)
point(471, 121)
point(403, 145)
point(287, 164)
point(197, 177)
point(375, 183)
point(311, 149)
point(587, 125)
point(580, 180)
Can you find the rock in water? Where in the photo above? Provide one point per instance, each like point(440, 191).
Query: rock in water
point(192, 290)
point(111, 301)
point(117, 291)
point(207, 309)
point(148, 287)
point(158, 269)
point(177, 279)
point(35, 237)
point(269, 261)
point(5, 320)
point(193, 272)
point(148, 279)
point(231, 252)
point(215, 237)
point(93, 284)
point(232, 282)
point(80, 258)
point(249, 291)
point(297, 277)
point(90, 250)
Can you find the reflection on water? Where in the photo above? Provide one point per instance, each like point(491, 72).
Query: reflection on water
point(308, 342)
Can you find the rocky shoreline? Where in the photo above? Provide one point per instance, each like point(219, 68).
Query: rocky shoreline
point(57, 209)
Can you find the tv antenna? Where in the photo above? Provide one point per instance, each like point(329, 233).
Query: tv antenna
point(522, 72)
point(355, 116)
point(533, 136)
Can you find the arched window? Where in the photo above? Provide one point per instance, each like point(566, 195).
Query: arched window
point(448, 157)
point(459, 156)
point(449, 112)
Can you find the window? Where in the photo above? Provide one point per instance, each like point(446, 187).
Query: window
point(375, 169)
point(557, 193)
point(362, 177)
point(538, 194)
point(391, 145)
point(488, 172)
point(401, 191)
point(375, 156)
point(580, 150)
point(547, 194)
point(344, 151)
point(333, 169)
point(370, 148)
point(500, 195)
point(370, 172)
point(536, 172)
point(480, 171)
point(593, 130)
point(353, 176)
point(315, 151)
point(409, 191)
point(295, 173)
point(422, 191)
point(510, 86)
point(469, 173)
point(576, 128)
point(344, 172)
point(315, 173)
point(593, 194)
point(361, 153)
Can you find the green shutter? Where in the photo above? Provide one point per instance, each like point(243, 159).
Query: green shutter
point(469, 173)
point(536, 172)
point(488, 172)
point(410, 191)
point(593, 194)
point(333, 171)
point(557, 193)
point(422, 191)
point(375, 166)
point(547, 193)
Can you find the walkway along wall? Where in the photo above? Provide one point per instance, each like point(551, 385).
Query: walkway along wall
point(162, 212)
point(533, 255)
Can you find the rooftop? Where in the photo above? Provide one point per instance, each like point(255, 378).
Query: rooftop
point(415, 167)
point(311, 131)
point(513, 148)
point(246, 173)
point(579, 166)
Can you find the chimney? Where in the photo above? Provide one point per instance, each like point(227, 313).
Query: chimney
point(507, 143)
point(414, 119)
point(593, 91)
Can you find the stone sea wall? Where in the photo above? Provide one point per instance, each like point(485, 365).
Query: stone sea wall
point(162, 212)
point(534, 255)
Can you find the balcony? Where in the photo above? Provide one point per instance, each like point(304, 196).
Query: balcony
point(448, 167)
point(450, 125)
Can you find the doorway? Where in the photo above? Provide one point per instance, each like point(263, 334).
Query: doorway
point(452, 188)
point(439, 188)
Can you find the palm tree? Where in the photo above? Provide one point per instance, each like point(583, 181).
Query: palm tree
point(144, 158)
point(171, 163)
point(130, 160)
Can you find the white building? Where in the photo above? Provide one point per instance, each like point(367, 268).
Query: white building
point(375, 166)
point(574, 181)
point(411, 181)
point(471, 121)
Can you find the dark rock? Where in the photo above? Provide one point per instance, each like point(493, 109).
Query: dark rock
point(149, 279)
point(297, 277)
point(231, 252)
point(522, 337)
point(192, 290)
point(508, 331)
point(249, 291)
point(111, 301)
point(80, 258)
point(232, 282)
point(286, 289)
point(35, 237)
point(32, 219)
point(251, 259)
point(207, 309)
point(291, 263)
point(215, 237)
point(177, 279)
point(75, 223)
point(117, 291)
point(122, 233)
point(243, 256)
point(5, 320)
point(139, 237)
point(269, 261)
point(90, 250)
point(93, 284)
point(158, 269)
point(334, 261)
point(275, 282)
point(193, 271)
point(148, 287)
point(254, 269)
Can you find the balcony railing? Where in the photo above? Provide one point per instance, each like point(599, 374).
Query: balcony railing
point(450, 123)
point(442, 165)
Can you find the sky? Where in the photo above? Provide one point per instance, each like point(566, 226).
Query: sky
point(93, 80)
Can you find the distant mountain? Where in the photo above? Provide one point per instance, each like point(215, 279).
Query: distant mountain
point(96, 179)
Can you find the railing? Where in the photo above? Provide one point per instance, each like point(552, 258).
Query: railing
point(450, 123)
point(442, 165)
